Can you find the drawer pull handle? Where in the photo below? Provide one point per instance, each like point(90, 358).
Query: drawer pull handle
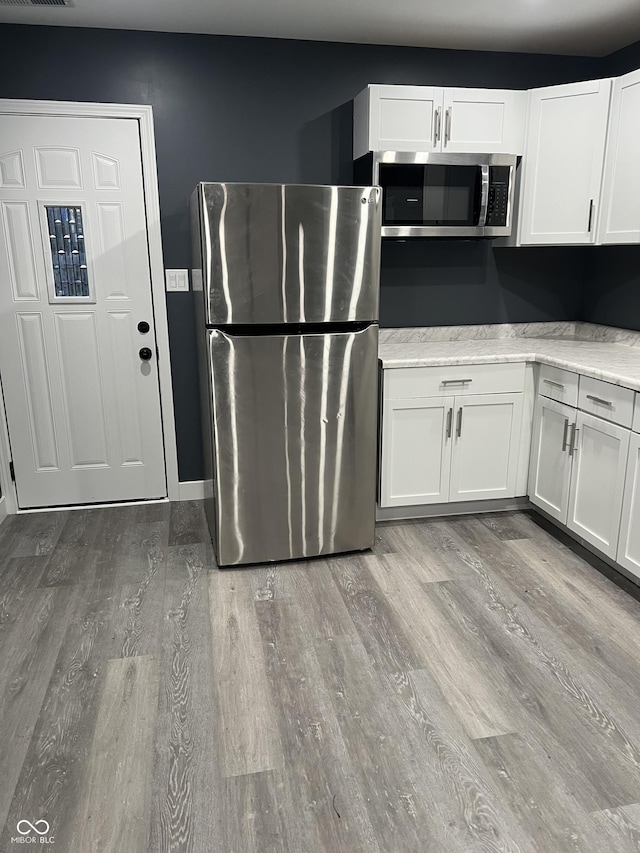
point(456, 381)
point(459, 427)
point(600, 400)
point(551, 382)
point(449, 422)
point(565, 443)
point(574, 440)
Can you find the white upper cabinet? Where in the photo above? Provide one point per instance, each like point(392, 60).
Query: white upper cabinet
point(427, 118)
point(620, 213)
point(484, 121)
point(397, 118)
point(563, 162)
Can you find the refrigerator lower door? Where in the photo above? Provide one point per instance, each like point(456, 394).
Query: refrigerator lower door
point(294, 444)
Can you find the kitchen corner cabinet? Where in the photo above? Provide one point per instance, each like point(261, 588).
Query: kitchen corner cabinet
point(620, 208)
point(429, 118)
point(449, 447)
point(563, 163)
point(578, 465)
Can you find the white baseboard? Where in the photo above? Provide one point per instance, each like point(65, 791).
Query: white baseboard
point(191, 490)
point(3, 509)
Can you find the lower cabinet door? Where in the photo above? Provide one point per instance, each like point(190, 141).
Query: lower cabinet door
point(629, 545)
point(486, 434)
point(597, 482)
point(416, 451)
point(550, 466)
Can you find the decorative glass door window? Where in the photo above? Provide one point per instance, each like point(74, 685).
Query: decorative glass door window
point(68, 253)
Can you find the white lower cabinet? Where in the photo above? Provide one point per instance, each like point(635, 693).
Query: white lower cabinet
point(597, 482)
point(629, 544)
point(550, 467)
point(440, 449)
point(486, 440)
point(416, 451)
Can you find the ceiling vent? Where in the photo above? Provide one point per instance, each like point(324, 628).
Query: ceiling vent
point(36, 3)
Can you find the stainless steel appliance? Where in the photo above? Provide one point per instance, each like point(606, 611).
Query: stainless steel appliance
point(442, 195)
point(287, 326)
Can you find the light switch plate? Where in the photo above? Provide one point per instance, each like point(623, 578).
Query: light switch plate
point(177, 281)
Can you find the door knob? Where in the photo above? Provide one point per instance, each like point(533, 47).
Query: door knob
point(145, 353)
point(143, 327)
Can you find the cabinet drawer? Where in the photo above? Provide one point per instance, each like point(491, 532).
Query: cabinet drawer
point(636, 415)
point(606, 400)
point(558, 384)
point(403, 383)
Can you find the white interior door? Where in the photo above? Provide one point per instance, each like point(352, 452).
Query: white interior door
point(82, 403)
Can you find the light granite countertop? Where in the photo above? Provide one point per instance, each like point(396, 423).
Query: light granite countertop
point(618, 363)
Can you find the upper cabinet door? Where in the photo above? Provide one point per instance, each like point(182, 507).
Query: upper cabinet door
point(400, 118)
point(620, 214)
point(484, 121)
point(563, 162)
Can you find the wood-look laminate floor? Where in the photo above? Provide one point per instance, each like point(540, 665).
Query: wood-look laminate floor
point(473, 685)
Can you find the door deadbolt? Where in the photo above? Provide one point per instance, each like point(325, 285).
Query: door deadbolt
point(143, 327)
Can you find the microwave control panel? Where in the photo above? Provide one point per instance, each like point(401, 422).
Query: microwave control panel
point(498, 201)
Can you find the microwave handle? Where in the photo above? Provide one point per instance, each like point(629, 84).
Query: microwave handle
point(484, 196)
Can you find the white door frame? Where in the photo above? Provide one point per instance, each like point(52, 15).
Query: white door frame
point(144, 115)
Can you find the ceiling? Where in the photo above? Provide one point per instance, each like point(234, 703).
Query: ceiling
point(586, 27)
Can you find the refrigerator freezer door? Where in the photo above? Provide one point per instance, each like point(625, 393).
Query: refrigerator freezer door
point(274, 253)
point(294, 444)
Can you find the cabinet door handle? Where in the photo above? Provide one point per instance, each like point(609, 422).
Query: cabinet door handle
point(459, 425)
point(574, 440)
point(590, 215)
point(456, 381)
point(565, 444)
point(447, 126)
point(600, 400)
point(555, 384)
point(449, 422)
point(436, 127)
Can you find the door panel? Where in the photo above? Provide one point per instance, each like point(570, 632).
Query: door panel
point(620, 217)
point(403, 118)
point(485, 453)
point(597, 482)
point(83, 409)
point(563, 163)
point(484, 121)
point(550, 467)
point(629, 546)
point(294, 443)
point(276, 254)
point(416, 451)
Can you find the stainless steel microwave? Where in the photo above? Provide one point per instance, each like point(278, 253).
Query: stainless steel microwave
point(442, 195)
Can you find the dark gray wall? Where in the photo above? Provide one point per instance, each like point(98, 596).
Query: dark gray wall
point(611, 293)
point(272, 110)
point(618, 63)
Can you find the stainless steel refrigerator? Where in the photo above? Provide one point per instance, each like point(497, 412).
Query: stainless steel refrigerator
point(287, 312)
